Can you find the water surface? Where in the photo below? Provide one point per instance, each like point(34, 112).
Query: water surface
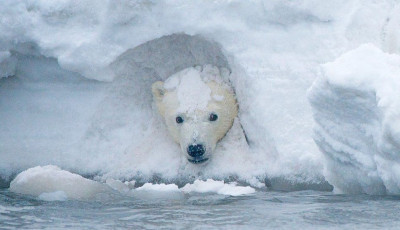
point(261, 210)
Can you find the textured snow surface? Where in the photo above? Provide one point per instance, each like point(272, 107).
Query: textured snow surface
point(357, 112)
point(75, 82)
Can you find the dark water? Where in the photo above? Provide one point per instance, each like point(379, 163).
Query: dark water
point(261, 210)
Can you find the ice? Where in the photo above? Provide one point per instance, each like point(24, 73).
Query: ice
point(75, 80)
point(198, 186)
point(119, 185)
point(356, 106)
point(51, 183)
point(219, 187)
point(159, 187)
point(53, 196)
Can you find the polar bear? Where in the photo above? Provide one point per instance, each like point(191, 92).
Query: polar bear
point(198, 107)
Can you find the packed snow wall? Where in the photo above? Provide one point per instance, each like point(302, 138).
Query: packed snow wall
point(72, 75)
point(357, 112)
point(113, 131)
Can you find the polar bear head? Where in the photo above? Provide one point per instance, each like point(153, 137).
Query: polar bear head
point(198, 108)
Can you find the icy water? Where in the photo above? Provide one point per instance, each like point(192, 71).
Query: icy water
point(261, 210)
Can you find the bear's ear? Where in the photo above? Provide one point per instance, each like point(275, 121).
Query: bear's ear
point(158, 90)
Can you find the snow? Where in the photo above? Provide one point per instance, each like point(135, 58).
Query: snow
point(75, 80)
point(193, 93)
point(159, 187)
point(391, 32)
point(219, 187)
point(192, 90)
point(357, 109)
point(200, 186)
point(51, 183)
point(119, 185)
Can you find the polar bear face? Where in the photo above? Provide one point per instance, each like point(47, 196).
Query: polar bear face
point(198, 109)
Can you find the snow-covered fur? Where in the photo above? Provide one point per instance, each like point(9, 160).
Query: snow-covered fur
point(198, 107)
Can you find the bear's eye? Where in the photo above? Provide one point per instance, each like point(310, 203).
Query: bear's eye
point(213, 117)
point(179, 119)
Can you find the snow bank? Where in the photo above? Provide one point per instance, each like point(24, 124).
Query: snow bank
point(356, 105)
point(50, 112)
point(51, 183)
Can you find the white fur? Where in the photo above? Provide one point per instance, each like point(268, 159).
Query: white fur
point(193, 94)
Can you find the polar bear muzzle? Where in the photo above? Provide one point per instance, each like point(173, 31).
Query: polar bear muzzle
point(196, 151)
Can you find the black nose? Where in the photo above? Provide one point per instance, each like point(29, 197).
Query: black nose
point(195, 150)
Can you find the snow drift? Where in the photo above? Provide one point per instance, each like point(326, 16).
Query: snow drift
point(357, 112)
point(75, 80)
